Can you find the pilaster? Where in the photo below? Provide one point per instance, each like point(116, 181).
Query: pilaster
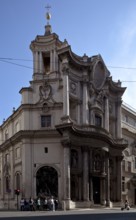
point(35, 61)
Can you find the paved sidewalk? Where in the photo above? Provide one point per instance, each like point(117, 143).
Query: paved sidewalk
point(69, 212)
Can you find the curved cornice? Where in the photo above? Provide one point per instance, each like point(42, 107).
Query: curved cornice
point(85, 134)
point(116, 86)
point(75, 59)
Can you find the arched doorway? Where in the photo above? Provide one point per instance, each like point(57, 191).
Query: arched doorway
point(47, 181)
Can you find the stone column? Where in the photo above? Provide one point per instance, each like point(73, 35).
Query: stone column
point(115, 179)
point(85, 100)
point(107, 192)
point(119, 178)
point(51, 61)
point(91, 189)
point(66, 185)
point(80, 188)
point(90, 179)
point(85, 175)
point(103, 179)
point(40, 62)
point(65, 117)
point(106, 114)
point(118, 123)
point(54, 60)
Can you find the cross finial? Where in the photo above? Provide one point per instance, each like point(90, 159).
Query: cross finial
point(48, 15)
point(48, 7)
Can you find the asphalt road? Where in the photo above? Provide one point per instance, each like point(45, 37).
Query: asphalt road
point(100, 216)
point(78, 215)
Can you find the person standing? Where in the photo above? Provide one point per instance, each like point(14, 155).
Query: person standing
point(52, 204)
point(22, 204)
point(38, 204)
point(31, 204)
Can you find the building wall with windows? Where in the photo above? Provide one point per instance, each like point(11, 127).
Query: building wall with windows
point(129, 160)
point(67, 138)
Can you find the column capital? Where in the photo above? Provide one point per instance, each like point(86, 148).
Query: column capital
point(66, 143)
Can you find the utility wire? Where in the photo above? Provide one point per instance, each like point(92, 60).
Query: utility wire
point(16, 64)
point(6, 60)
point(114, 67)
point(121, 67)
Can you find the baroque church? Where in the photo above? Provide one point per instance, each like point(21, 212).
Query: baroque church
point(65, 139)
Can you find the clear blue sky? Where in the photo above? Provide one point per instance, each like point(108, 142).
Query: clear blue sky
point(106, 27)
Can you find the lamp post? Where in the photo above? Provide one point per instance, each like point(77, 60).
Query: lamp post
point(17, 192)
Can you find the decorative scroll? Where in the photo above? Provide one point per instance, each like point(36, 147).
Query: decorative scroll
point(46, 99)
point(45, 91)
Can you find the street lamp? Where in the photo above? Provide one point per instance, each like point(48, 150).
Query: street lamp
point(17, 192)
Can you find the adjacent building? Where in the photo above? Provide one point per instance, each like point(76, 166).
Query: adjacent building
point(71, 137)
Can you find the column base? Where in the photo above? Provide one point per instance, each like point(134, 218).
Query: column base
point(103, 202)
point(66, 204)
point(109, 204)
point(69, 204)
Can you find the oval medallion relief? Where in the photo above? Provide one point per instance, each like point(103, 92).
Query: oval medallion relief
point(99, 75)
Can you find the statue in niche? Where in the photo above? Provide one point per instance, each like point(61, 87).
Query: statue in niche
point(73, 88)
point(97, 162)
point(91, 90)
point(74, 159)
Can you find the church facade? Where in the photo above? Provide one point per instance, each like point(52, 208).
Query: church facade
point(65, 139)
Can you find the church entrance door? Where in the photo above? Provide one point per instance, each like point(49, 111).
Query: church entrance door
point(96, 190)
point(47, 182)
